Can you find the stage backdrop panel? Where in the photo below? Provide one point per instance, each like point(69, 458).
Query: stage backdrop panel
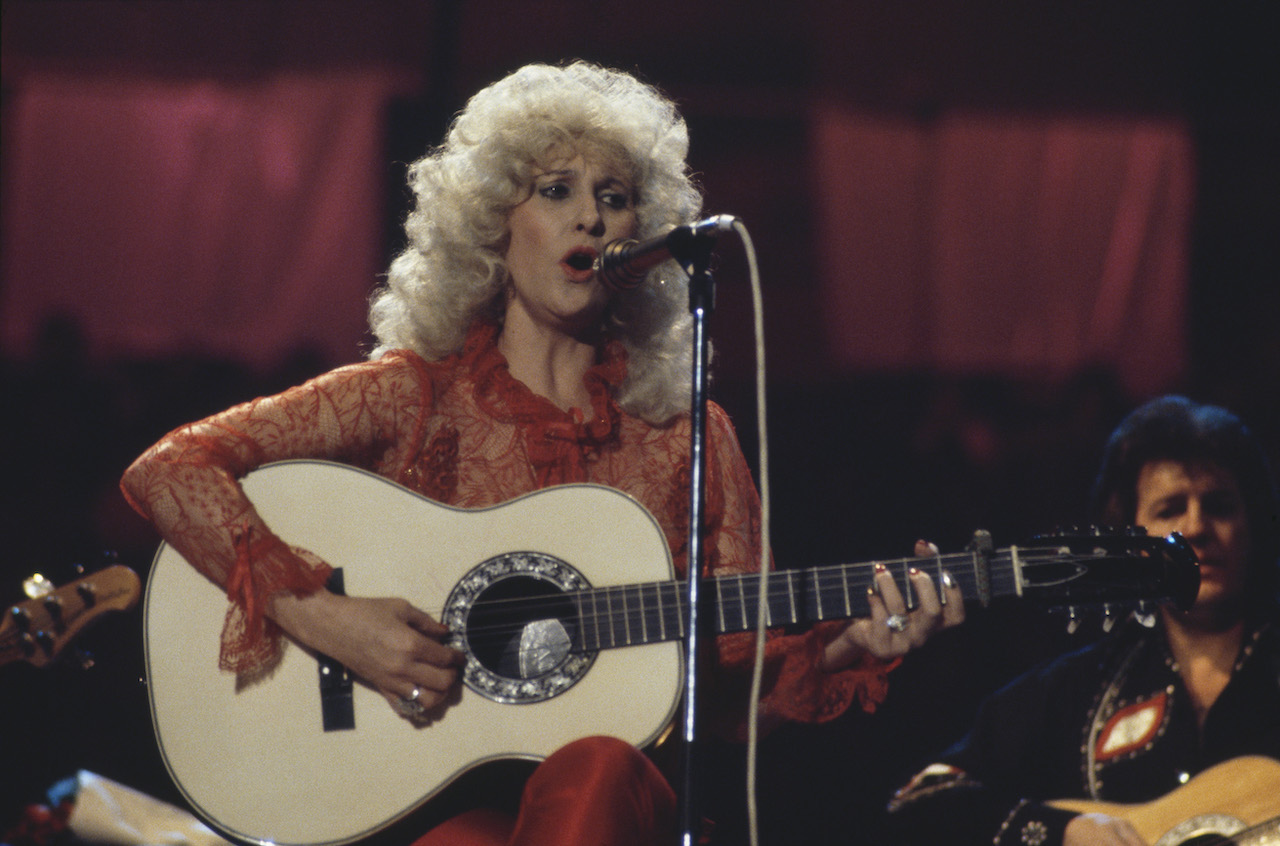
point(1009, 245)
point(236, 219)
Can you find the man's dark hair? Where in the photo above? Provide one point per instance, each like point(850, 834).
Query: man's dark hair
point(1174, 428)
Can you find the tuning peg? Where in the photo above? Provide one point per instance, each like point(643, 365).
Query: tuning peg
point(1108, 617)
point(87, 593)
point(1073, 621)
point(1145, 615)
point(53, 604)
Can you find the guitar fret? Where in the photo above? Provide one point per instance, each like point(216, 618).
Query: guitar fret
point(981, 550)
point(581, 628)
point(938, 580)
point(776, 597)
point(908, 590)
point(844, 584)
point(791, 597)
point(605, 620)
point(748, 603)
point(817, 598)
point(604, 626)
point(720, 603)
point(626, 617)
point(662, 614)
point(586, 627)
point(613, 618)
point(597, 617)
point(769, 615)
point(590, 631)
point(638, 627)
point(657, 625)
point(671, 611)
point(644, 627)
point(678, 591)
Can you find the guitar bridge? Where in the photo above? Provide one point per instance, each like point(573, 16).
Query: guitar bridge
point(337, 707)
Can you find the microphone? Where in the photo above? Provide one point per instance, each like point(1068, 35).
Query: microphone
point(624, 263)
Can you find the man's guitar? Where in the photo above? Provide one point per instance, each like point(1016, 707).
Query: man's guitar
point(539, 592)
point(36, 630)
point(1235, 803)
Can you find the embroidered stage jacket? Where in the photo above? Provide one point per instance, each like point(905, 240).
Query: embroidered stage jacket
point(1110, 722)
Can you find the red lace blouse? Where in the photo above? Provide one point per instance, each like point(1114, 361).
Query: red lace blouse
point(464, 432)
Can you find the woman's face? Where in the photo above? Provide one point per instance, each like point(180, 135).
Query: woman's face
point(1203, 502)
point(577, 205)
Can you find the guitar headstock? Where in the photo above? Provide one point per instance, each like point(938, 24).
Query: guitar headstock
point(38, 629)
point(1101, 566)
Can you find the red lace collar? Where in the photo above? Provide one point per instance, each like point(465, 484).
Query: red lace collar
point(506, 398)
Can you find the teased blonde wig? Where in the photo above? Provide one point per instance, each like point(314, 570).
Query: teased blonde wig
point(452, 270)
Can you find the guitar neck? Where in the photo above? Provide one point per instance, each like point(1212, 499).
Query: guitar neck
point(628, 615)
point(840, 591)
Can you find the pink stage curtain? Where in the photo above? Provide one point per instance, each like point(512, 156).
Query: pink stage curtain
point(1026, 246)
point(240, 220)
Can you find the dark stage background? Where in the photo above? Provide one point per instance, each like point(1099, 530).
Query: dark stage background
point(986, 230)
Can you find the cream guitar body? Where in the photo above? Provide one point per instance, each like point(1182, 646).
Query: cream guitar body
point(258, 762)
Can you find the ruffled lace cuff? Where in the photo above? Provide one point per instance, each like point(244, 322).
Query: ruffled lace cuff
point(264, 567)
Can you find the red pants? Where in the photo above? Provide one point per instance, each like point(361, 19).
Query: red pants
point(598, 791)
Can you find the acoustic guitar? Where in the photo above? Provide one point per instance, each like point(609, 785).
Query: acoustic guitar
point(1236, 802)
point(566, 605)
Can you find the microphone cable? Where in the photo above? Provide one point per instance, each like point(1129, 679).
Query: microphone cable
point(762, 434)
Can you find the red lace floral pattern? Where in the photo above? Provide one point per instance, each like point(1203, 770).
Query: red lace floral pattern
point(463, 431)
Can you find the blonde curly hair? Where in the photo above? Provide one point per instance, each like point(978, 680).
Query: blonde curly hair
point(452, 271)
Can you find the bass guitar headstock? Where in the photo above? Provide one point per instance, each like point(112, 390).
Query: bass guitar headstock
point(38, 629)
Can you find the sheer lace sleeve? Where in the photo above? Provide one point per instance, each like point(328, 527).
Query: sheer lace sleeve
point(187, 485)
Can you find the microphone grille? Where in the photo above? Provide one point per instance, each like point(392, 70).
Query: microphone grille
point(615, 271)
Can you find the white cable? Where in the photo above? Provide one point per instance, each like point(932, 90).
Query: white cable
point(762, 429)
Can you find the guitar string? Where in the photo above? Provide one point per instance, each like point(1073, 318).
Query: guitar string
point(780, 581)
point(780, 586)
point(830, 580)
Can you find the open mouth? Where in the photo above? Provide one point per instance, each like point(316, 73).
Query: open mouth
point(581, 259)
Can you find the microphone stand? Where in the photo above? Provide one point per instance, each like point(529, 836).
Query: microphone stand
point(694, 255)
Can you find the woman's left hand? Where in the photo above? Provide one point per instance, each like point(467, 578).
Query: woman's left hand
point(892, 631)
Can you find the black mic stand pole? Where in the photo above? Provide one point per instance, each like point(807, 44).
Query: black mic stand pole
point(694, 256)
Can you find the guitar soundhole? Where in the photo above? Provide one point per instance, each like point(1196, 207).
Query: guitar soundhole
point(514, 619)
point(520, 627)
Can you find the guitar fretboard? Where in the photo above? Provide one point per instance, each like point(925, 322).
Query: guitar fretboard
point(628, 615)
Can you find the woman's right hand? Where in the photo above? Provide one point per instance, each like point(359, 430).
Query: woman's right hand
point(1101, 830)
point(387, 642)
